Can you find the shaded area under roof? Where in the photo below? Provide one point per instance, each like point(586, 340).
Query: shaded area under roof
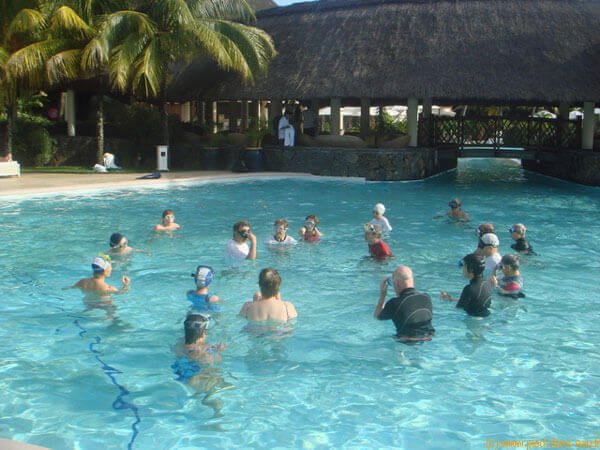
point(517, 51)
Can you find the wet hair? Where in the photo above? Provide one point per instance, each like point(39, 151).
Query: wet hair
point(115, 238)
point(474, 263)
point(314, 218)
point(269, 281)
point(239, 224)
point(166, 212)
point(281, 222)
point(485, 228)
point(195, 327)
point(519, 228)
point(511, 260)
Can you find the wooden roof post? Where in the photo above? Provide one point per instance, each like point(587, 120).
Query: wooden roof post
point(587, 134)
point(70, 112)
point(244, 115)
point(264, 114)
point(411, 116)
point(365, 117)
point(563, 124)
point(214, 117)
point(336, 104)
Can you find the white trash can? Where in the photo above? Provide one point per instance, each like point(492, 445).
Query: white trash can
point(162, 157)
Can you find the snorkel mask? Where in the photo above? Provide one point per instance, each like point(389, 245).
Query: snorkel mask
point(309, 224)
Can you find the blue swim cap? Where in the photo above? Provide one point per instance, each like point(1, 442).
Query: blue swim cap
point(203, 276)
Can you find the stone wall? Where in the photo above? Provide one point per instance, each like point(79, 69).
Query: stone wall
point(579, 166)
point(81, 151)
point(374, 164)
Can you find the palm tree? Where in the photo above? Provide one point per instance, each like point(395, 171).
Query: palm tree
point(147, 43)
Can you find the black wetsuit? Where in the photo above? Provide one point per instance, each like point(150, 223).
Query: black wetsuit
point(411, 312)
point(476, 297)
point(521, 245)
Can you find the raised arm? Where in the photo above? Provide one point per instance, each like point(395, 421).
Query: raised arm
point(382, 294)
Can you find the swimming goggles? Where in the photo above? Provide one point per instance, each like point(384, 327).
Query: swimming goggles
point(280, 227)
point(453, 205)
point(512, 230)
point(500, 266)
point(461, 263)
point(104, 257)
point(309, 224)
point(370, 228)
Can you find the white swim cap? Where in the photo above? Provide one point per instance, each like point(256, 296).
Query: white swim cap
point(379, 208)
point(100, 263)
point(490, 239)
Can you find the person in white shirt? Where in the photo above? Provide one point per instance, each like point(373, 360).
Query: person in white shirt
point(490, 254)
point(286, 130)
point(281, 237)
point(238, 247)
point(378, 219)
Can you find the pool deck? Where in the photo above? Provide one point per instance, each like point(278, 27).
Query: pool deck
point(43, 183)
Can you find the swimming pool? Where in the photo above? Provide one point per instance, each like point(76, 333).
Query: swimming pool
point(75, 378)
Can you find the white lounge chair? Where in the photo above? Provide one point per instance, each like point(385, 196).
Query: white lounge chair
point(10, 169)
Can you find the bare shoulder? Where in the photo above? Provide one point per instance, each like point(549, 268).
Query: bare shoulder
point(244, 309)
point(291, 309)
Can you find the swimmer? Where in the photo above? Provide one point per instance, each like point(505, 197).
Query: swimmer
point(119, 246)
point(476, 297)
point(281, 237)
point(238, 248)
point(482, 229)
point(310, 232)
point(489, 251)
point(377, 248)
point(168, 222)
point(200, 297)
point(512, 282)
point(102, 269)
point(456, 211)
point(267, 304)
point(378, 219)
point(411, 311)
point(517, 233)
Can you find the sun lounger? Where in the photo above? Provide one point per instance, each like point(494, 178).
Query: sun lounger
point(9, 169)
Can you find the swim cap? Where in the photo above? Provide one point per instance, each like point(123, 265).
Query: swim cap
point(203, 276)
point(115, 238)
point(379, 208)
point(490, 239)
point(196, 322)
point(100, 263)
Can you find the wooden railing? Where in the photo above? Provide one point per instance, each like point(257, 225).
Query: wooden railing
point(497, 132)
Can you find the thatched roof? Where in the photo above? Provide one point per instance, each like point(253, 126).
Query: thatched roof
point(505, 51)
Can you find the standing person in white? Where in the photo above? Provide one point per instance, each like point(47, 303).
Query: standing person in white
point(378, 219)
point(238, 248)
point(490, 254)
point(286, 130)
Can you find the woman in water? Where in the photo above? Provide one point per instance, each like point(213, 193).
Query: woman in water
point(310, 232)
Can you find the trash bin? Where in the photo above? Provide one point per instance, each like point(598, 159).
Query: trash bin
point(162, 157)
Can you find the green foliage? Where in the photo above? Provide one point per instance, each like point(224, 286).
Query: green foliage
point(32, 145)
point(385, 124)
point(218, 140)
point(257, 131)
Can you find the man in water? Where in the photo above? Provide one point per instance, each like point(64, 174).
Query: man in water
point(267, 304)
point(456, 211)
point(238, 248)
point(489, 251)
point(97, 283)
point(168, 222)
point(410, 310)
point(517, 233)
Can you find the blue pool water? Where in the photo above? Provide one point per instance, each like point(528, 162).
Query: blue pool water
point(77, 378)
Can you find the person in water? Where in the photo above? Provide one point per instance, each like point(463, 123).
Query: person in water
point(267, 304)
point(195, 360)
point(238, 248)
point(377, 248)
point(482, 229)
point(476, 297)
point(102, 269)
point(168, 222)
point(119, 246)
point(310, 231)
point(281, 237)
point(456, 211)
point(517, 233)
point(489, 251)
point(511, 284)
point(379, 219)
point(410, 310)
point(200, 298)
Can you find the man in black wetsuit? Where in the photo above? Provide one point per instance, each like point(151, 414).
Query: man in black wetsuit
point(517, 232)
point(476, 296)
point(411, 311)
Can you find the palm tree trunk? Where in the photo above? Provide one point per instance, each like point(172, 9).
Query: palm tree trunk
point(164, 115)
point(100, 129)
point(11, 122)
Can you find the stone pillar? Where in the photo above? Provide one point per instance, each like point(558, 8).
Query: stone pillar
point(365, 116)
point(186, 112)
point(264, 112)
point(411, 117)
point(563, 128)
point(254, 110)
point(314, 106)
point(336, 104)
point(213, 117)
point(70, 112)
point(427, 124)
point(589, 119)
point(426, 108)
point(202, 113)
point(245, 108)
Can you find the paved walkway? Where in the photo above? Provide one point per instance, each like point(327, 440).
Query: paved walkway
point(39, 183)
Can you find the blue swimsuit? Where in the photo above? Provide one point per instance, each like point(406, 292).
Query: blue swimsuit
point(200, 302)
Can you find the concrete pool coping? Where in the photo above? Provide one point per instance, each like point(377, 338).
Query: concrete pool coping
point(47, 183)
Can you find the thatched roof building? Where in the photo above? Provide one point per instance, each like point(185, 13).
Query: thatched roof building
point(449, 51)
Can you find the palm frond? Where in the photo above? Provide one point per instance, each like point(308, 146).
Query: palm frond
point(65, 22)
point(64, 66)
point(171, 14)
point(94, 56)
point(27, 23)
point(147, 71)
point(27, 66)
point(235, 10)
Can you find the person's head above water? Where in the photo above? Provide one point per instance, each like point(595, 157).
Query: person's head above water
point(372, 231)
point(402, 278)
point(490, 240)
point(517, 231)
point(168, 215)
point(311, 221)
point(203, 276)
point(511, 261)
point(195, 326)
point(241, 229)
point(269, 282)
point(379, 210)
point(101, 265)
point(473, 265)
point(455, 203)
point(484, 228)
point(118, 240)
